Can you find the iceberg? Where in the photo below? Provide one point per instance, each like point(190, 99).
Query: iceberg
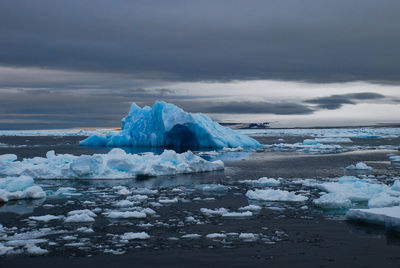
point(166, 125)
point(115, 164)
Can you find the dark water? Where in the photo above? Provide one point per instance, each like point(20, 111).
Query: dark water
point(288, 235)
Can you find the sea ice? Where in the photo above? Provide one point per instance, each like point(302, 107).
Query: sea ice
point(275, 195)
point(115, 164)
point(248, 237)
point(191, 236)
point(359, 166)
point(132, 236)
point(214, 212)
point(237, 214)
point(216, 236)
point(388, 216)
point(126, 214)
point(45, 218)
point(333, 201)
point(22, 187)
point(165, 125)
point(264, 181)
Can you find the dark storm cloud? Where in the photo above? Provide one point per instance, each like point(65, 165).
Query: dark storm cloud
point(334, 102)
point(311, 40)
point(247, 107)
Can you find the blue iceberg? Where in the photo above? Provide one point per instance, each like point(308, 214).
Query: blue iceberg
point(166, 125)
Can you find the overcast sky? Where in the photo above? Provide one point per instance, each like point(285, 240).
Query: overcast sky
point(81, 63)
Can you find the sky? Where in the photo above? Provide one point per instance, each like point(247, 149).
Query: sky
point(75, 64)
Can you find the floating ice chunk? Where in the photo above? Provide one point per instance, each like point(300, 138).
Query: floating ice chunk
point(359, 166)
point(45, 218)
point(82, 211)
point(83, 215)
point(66, 191)
point(327, 140)
point(33, 249)
point(13, 188)
point(164, 125)
point(264, 181)
point(237, 214)
point(148, 211)
point(248, 237)
point(213, 188)
point(333, 201)
point(356, 190)
point(168, 201)
point(124, 203)
point(7, 158)
point(214, 212)
point(124, 191)
point(275, 195)
point(132, 236)
point(383, 200)
point(396, 185)
point(216, 236)
point(144, 191)
point(126, 214)
point(4, 249)
point(85, 229)
point(115, 164)
point(191, 236)
point(250, 208)
point(388, 216)
point(79, 218)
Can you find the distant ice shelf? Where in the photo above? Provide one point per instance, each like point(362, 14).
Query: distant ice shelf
point(166, 125)
point(115, 164)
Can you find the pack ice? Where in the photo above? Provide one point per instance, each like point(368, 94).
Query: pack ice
point(115, 164)
point(166, 125)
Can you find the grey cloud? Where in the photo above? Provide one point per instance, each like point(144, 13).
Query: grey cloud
point(247, 107)
point(334, 102)
point(340, 40)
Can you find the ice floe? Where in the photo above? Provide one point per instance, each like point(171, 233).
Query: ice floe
point(264, 181)
point(22, 187)
point(133, 236)
point(359, 166)
point(275, 195)
point(165, 125)
point(115, 164)
point(387, 216)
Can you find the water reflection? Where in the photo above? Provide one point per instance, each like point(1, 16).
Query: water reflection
point(21, 207)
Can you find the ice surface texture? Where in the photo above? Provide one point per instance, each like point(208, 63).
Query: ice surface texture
point(387, 216)
point(166, 125)
point(115, 164)
point(23, 187)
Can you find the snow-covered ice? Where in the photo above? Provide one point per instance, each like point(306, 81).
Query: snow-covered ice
point(165, 124)
point(275, 195)
point(115, 164)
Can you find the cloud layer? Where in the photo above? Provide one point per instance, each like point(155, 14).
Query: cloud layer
point(324, 41)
